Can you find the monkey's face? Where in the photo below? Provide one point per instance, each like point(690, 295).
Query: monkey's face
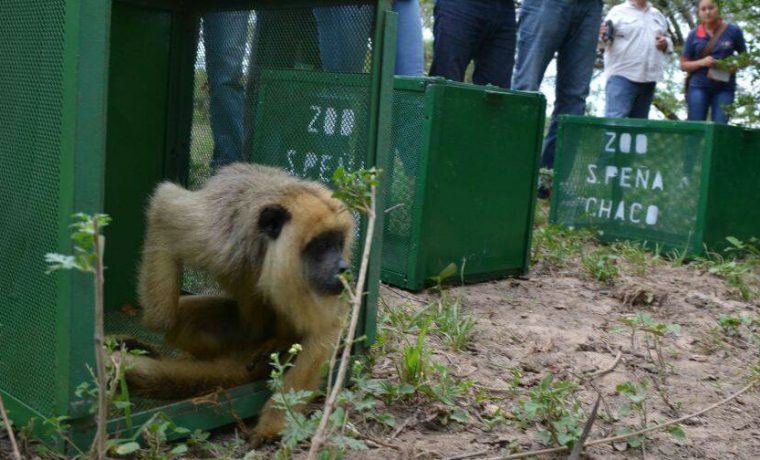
point(309, 245)
point(324, 262)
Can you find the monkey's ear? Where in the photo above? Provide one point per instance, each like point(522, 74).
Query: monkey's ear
point(272, 219)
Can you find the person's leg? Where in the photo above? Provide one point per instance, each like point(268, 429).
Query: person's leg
point(697, 103)
point(619, 97)
point(410, 57)
point(457, 30)
point(643, 100)
point(495, 58)
point(224, 39)
point(721, 98)
point(541, 27)
point(575, 65)
point(344, 36)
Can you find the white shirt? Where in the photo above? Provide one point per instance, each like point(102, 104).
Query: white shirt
point(632, 53)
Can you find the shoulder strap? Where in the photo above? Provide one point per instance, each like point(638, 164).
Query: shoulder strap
point(714, 39)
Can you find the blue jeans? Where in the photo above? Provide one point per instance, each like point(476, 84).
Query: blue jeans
point(569, 28)
point(482, 31)
point(344, 36)
point(628, 99)
point(698, 100)
point(410, 54)
point(341, 26)
point(224, 39)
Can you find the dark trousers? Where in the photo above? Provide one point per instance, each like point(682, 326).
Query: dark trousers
point(483, 31)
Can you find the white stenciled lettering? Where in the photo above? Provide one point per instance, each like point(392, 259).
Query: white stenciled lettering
point(591, 178)
point(591, 201)
point(291, 166)
point(605, 207)
point(641, 144)
point(324, 168)
point(317, 111)
point(625, 176)
point(609, 173)
point(652, 215)
point(625, 143)
point(635, 207)
point(331, 119)
point(609, 147)
point(642, 178)
point(657, 183)
point(347, 122)
point(309, 162)
point(620, 212)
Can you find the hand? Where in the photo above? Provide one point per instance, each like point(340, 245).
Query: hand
point(707, 61)
point(661, 42)
point(603, 29)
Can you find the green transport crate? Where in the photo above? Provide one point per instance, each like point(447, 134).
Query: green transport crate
point(102, 100)
point(461, 181)
point(677, 185)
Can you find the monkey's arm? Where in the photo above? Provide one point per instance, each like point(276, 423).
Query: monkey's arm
point(304, 375)
point(168, 230)
point(159, 280)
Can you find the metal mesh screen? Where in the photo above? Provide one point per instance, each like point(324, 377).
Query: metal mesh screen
point(284, 87)
point(406, 144)
point(31, 94)
point(640, 182)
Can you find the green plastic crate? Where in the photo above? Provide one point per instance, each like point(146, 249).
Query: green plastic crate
point(461, 181)
point(100, 103)
point(679, 185)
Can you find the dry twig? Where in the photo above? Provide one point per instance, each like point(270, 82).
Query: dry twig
point(98, 448)
point(9, 429)
point(320, 434)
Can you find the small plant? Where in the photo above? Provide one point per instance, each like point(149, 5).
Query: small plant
point(653, 331)
point(553, 405)
point(88, 258)
point(634, 253)
point(454, 327)
point(601, 265)
point(414, 365)
point(637, 396)
point(554, 246)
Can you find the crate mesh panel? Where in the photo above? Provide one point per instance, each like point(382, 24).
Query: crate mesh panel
point(31, 91)
point(406, 140)
point(304, 74)
point(630, 182)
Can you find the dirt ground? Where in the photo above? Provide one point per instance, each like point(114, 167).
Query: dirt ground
point(555, 322)
point(558, 321)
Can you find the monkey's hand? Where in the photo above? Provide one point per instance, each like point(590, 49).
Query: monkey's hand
point(259, 362)
point(271, 423)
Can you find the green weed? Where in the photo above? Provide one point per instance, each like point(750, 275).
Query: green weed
point(601, 265)
point(552, 404)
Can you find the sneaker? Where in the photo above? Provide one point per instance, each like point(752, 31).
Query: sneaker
point(544, 188)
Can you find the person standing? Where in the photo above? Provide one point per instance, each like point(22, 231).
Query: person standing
point(569, 28)
point(224, 38)
point(708, 86)
point(634, 57)
point(482, 31)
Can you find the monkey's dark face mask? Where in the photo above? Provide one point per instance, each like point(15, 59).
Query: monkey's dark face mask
point(324, 263)
point(322, 257)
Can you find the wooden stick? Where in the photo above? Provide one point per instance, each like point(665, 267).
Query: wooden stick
point(320, 435)
point(604, 371)
point(98, 448)
point(9, 429)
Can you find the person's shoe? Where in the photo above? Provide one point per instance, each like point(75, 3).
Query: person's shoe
point(544, 189)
